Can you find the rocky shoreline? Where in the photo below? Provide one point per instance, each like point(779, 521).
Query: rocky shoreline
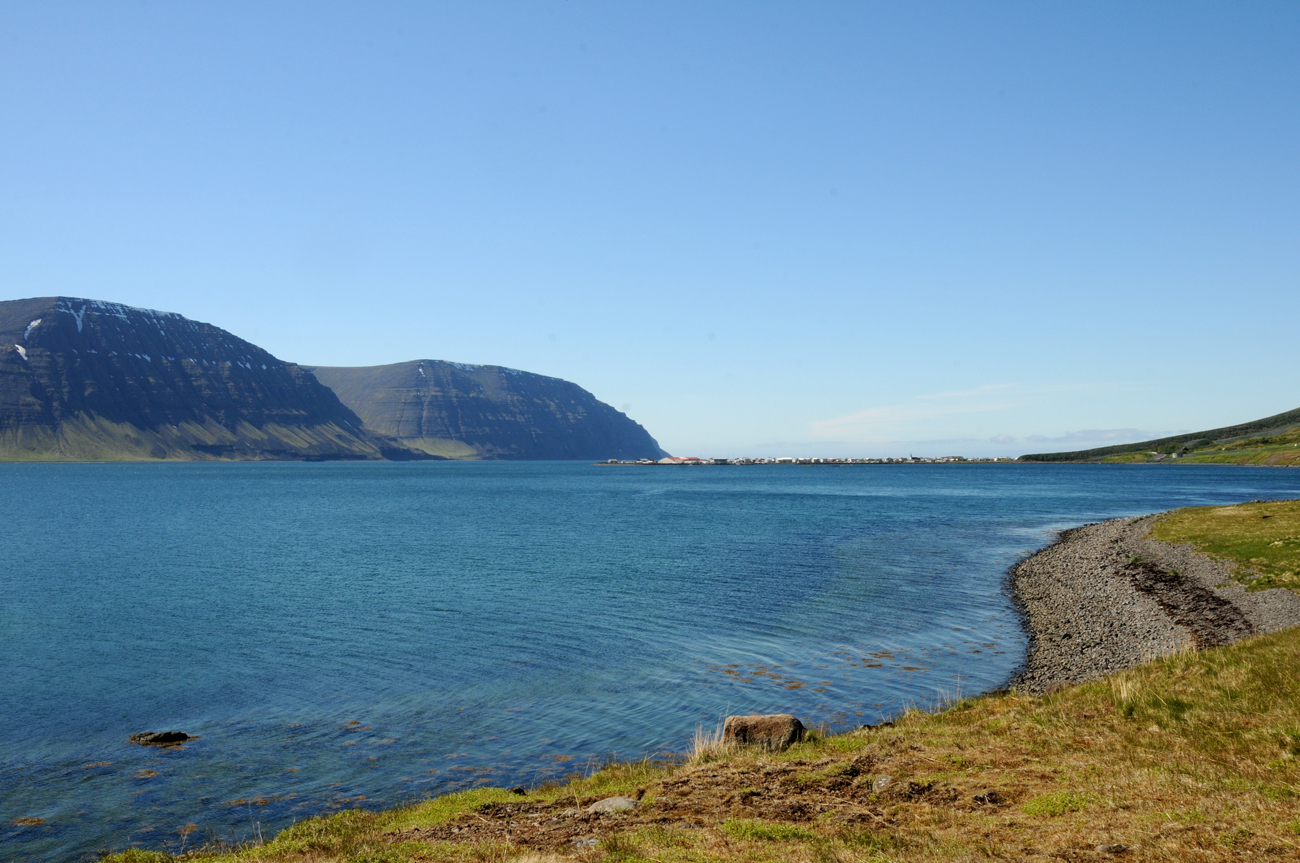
point(1104, 597)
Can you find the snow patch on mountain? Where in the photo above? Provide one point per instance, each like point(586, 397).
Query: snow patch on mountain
point(68, 305)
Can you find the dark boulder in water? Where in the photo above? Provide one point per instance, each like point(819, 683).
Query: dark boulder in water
point(159, 738)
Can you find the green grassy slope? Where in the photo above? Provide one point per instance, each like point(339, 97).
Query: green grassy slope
point(1273, 440)
point(92, 438)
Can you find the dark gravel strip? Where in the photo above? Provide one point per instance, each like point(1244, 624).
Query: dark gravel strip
point(1211, 619)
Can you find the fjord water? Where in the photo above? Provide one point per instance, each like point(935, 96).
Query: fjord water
point(366, 634)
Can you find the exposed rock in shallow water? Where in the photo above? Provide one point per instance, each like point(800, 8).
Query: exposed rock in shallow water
point(159, 738)
point(775, 731)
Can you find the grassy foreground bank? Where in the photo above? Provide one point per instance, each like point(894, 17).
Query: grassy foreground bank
point(1191, 757)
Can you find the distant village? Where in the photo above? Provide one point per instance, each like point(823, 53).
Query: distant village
point(692, 461)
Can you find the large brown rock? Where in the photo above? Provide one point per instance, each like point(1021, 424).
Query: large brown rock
point(773, 731)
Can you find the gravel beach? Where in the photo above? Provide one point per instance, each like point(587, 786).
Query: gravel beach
point(1104, 598)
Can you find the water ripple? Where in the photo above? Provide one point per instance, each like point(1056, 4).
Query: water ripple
point(366, 634)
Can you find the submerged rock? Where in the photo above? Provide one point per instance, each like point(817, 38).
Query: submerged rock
point(774, 731)
point(158, 738)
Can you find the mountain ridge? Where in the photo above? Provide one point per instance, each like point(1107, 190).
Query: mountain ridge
point(90, 380)
point(465, 410)
point(84, 379)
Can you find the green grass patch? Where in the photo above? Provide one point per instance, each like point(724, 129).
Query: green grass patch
point(440, 810)
point(1259, 543)
point(1128, 458)
point(135, 855)
point(1056, 803)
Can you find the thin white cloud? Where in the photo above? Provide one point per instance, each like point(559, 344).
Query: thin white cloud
point(953, 415)
point(974, 392)
point(892, 421)
point(1099, 436)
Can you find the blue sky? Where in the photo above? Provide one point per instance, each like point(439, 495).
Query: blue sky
point(837, 228)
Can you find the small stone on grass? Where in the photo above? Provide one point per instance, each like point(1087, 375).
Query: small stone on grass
point(612, 804)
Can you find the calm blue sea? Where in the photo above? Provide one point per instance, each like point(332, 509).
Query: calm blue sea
point(366, 634)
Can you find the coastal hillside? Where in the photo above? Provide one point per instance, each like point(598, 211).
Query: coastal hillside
point(456, 410)
point(89, 380)
point(1273, 440)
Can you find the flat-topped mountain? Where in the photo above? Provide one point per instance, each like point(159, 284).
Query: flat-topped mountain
point(89, 380)
point(84, 379)
point(467, 411)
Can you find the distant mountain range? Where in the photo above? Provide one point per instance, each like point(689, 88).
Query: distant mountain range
point(457, 410)
point(91, 380)
point(1273, 440)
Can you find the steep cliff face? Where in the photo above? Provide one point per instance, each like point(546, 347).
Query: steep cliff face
point(465, 411)
point(84, 379)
